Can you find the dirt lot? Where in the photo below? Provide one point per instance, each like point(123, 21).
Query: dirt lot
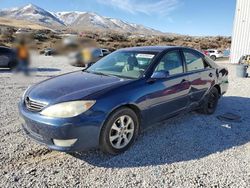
point(190, 151)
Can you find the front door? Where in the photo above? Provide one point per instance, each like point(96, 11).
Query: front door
point(168, 95)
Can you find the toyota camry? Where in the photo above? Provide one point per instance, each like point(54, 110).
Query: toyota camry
point(107, 105)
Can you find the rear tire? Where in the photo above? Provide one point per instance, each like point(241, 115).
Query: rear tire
point(119, 131)
point(210, 104)
point(213, 57)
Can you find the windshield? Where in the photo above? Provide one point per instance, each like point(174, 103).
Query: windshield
point(123, 64)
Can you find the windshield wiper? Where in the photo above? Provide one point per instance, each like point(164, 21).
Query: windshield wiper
point(103, 74)
point(98, 73)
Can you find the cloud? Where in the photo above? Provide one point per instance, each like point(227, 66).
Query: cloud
point(161, 7)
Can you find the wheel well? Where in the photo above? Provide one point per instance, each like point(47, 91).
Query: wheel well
point(135, 109)
point(132, 107)
point(218, 88)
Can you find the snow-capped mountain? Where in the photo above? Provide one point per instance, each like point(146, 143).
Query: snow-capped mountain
point(74, 19)
point(89, 20)
point(32, 13)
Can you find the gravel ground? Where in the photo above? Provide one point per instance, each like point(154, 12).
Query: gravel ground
point(189, 151)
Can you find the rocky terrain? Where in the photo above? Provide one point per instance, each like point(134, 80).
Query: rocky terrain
point(193, 150)
point(43, 38)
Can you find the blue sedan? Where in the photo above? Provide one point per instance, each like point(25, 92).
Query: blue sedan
point(107, 105)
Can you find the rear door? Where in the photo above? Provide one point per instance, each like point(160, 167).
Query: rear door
point(168, 95)
point(200, 74)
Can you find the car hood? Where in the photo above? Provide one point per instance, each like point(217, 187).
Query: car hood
point(72, 86)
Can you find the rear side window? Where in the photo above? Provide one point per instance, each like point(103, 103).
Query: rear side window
point(194, 61)
point(171, 63)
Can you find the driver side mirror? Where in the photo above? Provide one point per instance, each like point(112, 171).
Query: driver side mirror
point(160, 74)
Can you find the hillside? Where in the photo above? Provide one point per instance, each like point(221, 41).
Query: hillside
point(20, 23)
point(78, 21)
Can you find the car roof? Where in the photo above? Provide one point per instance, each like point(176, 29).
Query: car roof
point(5, 48)
point(158, 49)
point(152, 48)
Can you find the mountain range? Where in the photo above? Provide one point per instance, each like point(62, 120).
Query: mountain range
point(74, 20)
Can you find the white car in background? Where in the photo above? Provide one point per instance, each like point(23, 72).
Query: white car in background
point(215, 54)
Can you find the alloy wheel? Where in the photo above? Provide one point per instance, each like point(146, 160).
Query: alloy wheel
point(121, 132)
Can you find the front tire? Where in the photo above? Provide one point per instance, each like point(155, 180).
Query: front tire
point(119, 131)
point(210, 104)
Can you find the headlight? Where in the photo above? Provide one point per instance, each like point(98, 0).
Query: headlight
point(67, 109)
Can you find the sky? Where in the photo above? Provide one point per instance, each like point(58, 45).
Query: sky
point(191, 17)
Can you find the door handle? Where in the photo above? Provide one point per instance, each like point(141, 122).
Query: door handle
point(210, 74)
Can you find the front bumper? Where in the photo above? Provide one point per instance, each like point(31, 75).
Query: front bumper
point(84, 128)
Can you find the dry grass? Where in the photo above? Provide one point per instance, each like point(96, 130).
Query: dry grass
point(20, 24)
point(111, 40)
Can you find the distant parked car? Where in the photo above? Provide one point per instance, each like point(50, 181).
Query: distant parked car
point(23, 31)
point(87, 56)
point(205, 52)
point(8, 58)
point(215, 54)
point(108, 104)
point(104, 52)
point(49, 51)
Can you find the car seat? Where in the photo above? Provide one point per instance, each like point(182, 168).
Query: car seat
point(132, 64)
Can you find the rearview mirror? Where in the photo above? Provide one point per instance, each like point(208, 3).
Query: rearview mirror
point(160, 74)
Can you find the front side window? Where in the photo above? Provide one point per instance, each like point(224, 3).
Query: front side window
point(129, 64)
point(171, 63)
point(194, 61)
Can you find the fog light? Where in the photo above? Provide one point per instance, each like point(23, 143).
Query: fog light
point(64, 143)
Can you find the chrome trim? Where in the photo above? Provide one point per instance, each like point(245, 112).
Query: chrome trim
point(34, 106)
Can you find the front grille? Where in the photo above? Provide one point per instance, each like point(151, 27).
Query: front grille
point(34, 106)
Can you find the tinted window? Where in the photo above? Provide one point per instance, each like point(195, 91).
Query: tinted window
point(171, 62)
point(194, 61)
point(5, 50)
